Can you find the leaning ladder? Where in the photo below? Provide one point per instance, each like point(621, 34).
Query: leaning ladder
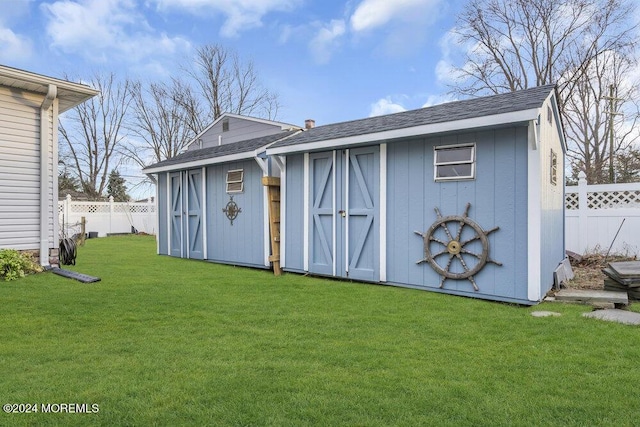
point(273, 193)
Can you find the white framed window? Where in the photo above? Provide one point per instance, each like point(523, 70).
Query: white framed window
point(553, 169)
point(235, 181)
point(454, 162)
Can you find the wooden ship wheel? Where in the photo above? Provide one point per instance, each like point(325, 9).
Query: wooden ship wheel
point(454, 245)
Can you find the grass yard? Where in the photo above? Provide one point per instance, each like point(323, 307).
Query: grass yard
point(165, 341)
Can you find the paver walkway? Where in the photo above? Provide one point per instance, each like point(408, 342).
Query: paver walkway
point(589, 296)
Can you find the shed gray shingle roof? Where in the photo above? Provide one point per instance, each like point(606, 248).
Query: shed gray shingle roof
point(239, 147)
point(448, 112)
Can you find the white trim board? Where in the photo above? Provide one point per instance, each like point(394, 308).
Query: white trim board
point(382, 216)
point(203, 212)
point(305, 214)
point(534, 221)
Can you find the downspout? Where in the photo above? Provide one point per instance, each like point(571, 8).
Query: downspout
point(264, 166)
point(45, 200)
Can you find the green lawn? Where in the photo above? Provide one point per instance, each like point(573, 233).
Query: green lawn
point(165, 341)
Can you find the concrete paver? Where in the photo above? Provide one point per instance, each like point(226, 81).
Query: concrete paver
point(588, 296)
point(615, 315)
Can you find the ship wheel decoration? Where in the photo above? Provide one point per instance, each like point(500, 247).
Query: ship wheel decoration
point(453, 245)
point(232, 210)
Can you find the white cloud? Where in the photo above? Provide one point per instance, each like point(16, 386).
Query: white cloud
point(445, 72)
point(372, 14)
point(104, 30)
point(15, 48)
point(403, 26)
point(240, 14)
point(326, 40)
point(385, 106)
point(438, 99)
point(453, 52)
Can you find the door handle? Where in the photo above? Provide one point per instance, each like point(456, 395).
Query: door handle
point(342, 213)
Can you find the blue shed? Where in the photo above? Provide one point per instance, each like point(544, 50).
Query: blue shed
point(465, 198)
point(211, 201)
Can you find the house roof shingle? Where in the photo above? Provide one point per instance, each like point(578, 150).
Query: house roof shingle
point(239, 147)
point(448, 112)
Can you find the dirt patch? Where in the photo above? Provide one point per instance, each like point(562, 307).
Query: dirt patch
point(589, 273)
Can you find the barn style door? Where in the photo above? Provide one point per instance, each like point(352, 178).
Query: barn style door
point(186, 195)
point(322, 224)
point(176, 222)
point(194, 214)
point(344, 213)
point(361, 202)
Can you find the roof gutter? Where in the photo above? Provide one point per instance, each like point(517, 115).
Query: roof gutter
point(258, 155)
point(45, 175)
point(203, 162)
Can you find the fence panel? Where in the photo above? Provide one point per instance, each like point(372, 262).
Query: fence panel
point(106, 217)
point(595, 213)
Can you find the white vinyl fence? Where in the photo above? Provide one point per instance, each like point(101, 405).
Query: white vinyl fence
point(106, 217)
point(595, 213)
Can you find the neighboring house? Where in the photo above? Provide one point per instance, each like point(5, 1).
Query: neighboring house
point(383, 199)
point(230, 128)
point(359, 199)
point(29, 108)
point(211, 202)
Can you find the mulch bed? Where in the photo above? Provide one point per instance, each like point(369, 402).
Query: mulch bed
point(588, 270)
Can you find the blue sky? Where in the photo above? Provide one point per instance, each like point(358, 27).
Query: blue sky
point(328, 60)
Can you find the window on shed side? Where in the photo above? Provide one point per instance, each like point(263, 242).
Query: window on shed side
point(235, 181)
point(553, 178)
point(454, 162)
point(225, 125)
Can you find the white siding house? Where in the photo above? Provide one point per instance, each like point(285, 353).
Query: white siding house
point(29, 108)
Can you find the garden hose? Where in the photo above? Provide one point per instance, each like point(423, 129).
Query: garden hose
point(68, 251)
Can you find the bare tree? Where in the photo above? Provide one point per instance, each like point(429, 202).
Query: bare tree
point(516, 44)
point(166, 116)
point(600, 119)
point(92, 132)
point(229, 85)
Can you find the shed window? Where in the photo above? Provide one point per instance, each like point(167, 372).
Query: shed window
point(225, 125)
point(452, 162)
point(235, 181)
point(553, 170)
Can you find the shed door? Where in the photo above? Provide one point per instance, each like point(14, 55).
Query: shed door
point(194, 214)
point(343, 224)
point(361, 203)
point(186, 197)
point(175, 236)
point(322, 211)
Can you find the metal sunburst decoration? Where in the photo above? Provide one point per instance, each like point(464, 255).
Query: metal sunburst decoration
point(453, 247)
point(231, 210)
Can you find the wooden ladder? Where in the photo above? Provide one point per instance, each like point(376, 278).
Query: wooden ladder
point(273, 192)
